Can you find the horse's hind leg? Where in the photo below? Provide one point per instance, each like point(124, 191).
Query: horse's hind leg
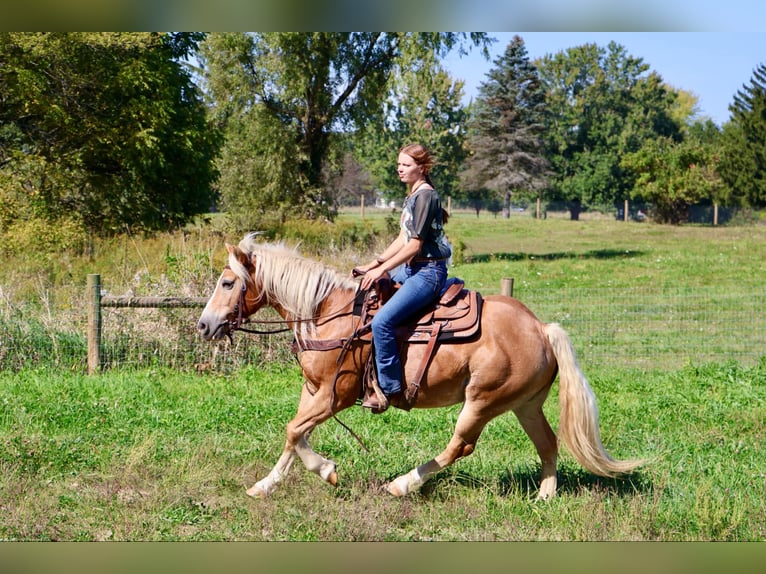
point(312, 411)
point(536, 426)
point(469, 425)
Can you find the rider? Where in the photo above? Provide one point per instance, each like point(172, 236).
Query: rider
point(417, 259)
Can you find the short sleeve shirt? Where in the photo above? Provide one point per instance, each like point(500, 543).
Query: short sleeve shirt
point(422, 219)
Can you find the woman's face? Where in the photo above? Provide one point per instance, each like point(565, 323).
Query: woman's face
point(409, 171)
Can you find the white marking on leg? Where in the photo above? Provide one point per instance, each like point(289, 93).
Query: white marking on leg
point(315, 462)
point(414, 479)
point(267, 485)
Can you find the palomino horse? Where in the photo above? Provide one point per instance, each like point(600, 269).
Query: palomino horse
point(511, 365)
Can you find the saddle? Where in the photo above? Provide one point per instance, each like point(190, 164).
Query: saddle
point(455, 317)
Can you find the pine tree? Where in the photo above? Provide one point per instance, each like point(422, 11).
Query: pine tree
point(743, 161)
point(505, 129)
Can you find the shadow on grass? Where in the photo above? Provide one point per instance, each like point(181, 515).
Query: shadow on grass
point(593, 254)
point(570, 481)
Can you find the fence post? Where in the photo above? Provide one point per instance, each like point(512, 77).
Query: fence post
point(506, 286)
point(94, 323)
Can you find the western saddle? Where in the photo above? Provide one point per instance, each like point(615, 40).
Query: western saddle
point(455, 317)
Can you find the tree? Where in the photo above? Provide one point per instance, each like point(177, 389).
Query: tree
point(102, 131)
point(505, 129)
point(743, 161)
point(603, 105)
point(284, 97)
point(673, 175)
point(424, 106)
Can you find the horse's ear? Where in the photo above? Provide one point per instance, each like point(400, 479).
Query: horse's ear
point(240, 255)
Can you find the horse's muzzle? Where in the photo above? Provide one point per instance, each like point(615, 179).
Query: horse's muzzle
point(212, 333)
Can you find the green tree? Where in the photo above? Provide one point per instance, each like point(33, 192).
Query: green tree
point(423, 106)
point(743, 161)
point(102, 131)
point(603, 105)
point(284, 98)
point(673, 176)
point(506, 127)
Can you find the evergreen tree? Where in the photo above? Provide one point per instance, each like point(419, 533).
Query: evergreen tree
point(743, 161)
point(505, 129)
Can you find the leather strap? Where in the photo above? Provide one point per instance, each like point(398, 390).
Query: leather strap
point(412, 390)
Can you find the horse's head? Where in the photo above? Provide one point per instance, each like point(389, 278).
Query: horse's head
point(234, 298)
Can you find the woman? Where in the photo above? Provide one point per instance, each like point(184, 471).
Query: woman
point(420, 253)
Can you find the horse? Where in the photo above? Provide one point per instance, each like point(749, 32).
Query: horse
point(510, 365)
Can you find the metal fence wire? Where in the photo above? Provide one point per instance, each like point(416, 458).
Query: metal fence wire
point(648, 328)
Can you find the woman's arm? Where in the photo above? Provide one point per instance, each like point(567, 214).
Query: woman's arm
point(391, 258)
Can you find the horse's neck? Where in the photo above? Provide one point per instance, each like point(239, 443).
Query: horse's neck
point(333, 318)
point(327, 318)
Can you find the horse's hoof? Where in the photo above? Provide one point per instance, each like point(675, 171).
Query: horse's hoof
point(394, 489)
point(333, 478)
point(256, 492)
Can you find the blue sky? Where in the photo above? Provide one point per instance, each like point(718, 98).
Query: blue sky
point(712, 65)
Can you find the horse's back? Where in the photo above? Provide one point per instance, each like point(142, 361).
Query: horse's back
point(510, 356)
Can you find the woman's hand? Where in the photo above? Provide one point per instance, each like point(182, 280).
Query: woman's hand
point(371, 275)
point(363, 269)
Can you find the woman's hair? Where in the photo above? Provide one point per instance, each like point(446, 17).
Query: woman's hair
point(422, 157)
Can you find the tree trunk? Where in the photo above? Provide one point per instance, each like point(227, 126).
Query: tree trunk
point(507, 204)
point(575, 207)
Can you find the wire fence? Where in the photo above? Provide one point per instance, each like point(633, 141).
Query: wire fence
point(657, 328)
point(649, 328)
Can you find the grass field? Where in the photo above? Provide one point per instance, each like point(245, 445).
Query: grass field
point(161, 454)
point(164, 456)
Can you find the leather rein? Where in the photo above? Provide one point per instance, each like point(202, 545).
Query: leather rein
point(240, 319)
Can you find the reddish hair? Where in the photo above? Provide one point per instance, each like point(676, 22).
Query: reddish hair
point(422, 157)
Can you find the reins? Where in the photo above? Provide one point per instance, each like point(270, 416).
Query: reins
point(236, 324)
point(240, 319)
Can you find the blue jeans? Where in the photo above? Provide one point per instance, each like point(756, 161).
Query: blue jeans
point(421, 285)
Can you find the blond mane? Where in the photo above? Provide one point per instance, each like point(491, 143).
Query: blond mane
point(296, 284)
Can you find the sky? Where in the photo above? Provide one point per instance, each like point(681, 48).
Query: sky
point(711, 65)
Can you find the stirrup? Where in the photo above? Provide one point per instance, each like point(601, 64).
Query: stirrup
point(374, 403)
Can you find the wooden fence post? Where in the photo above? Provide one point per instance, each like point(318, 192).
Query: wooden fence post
point(506, 286)
point(94, 323)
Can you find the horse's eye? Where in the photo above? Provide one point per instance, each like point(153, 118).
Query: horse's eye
point(227, 284)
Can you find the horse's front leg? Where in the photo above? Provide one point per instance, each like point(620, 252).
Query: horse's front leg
point(266, 486)
point(312, 411)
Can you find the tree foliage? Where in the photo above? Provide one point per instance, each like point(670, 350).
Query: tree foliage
point(423, 106)
point(285, 98)
point(743, 161)
point(673, 175)
point(506, 127)
point(103, 131)
point(603, 105)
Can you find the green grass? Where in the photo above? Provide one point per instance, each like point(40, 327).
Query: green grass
point(158, 455)
point(154, 453)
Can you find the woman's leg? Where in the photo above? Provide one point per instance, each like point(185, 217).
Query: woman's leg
point(418, 292)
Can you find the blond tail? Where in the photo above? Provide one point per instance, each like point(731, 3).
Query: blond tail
point(578, 426)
